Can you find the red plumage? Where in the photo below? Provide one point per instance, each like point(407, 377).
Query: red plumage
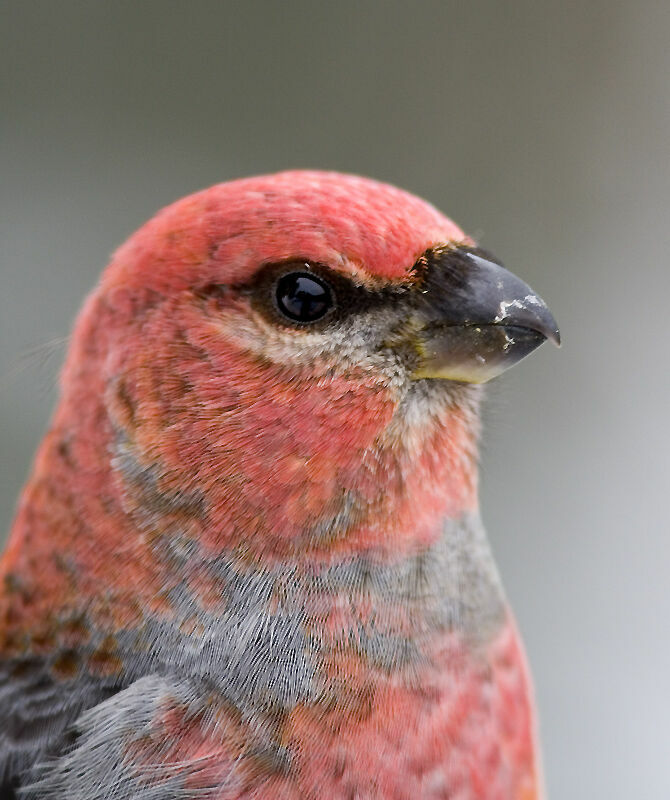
point(258, 538)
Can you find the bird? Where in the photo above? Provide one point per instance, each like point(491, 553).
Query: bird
point(249, 560)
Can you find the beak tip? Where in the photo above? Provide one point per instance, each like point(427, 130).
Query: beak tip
point(545, 324)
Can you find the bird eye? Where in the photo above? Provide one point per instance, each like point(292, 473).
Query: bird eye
point(303, 297)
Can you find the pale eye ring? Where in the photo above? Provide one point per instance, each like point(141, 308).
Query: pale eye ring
point(303, 297)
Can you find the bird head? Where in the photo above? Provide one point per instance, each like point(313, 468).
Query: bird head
point(291, 363)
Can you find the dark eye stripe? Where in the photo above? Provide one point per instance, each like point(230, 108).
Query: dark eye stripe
point(309, 295)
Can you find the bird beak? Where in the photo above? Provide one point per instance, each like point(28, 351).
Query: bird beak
point(473, 319)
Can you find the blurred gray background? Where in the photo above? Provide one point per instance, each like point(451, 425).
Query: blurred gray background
point(544, 129)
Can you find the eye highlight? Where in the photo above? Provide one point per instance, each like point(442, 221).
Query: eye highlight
point(303, 297)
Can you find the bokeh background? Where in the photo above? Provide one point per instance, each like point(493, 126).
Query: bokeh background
point(544, 129)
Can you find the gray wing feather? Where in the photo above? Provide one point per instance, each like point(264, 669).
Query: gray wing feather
point(36, 709)
point(96, 765)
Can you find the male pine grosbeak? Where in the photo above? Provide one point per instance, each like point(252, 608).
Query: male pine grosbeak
point(248, 562)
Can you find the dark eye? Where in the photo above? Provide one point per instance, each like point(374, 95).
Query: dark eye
point(303, 297)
